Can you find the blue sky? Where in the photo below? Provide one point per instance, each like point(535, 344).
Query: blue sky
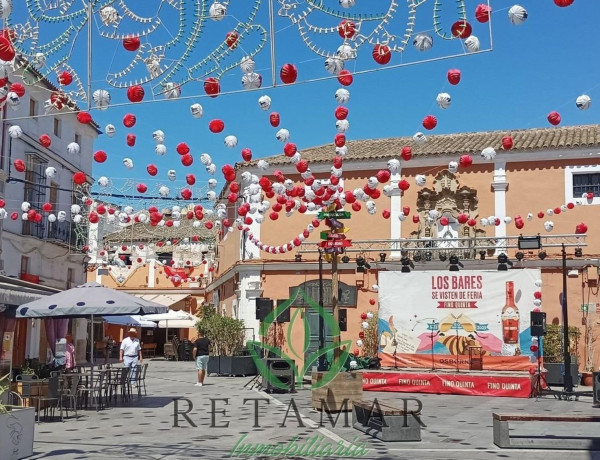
point(534, 68)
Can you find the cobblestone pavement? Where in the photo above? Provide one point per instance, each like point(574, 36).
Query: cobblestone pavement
point(458, 427)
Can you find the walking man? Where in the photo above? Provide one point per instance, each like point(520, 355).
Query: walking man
point(200, 354)
point(131, 353)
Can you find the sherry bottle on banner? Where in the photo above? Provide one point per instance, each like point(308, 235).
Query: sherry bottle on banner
point(510, 316)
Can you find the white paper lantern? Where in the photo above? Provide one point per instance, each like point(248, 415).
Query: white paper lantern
point(517, 14)
point(334, 65)
point(583, 102)
point(61, 216)
point(3, 214)
point(247, 65)
point(472, 44)
point(212, 182)
point(370, 314)
point(420, 138)
point(15, 131)
point(172, 90)
point(73, 148)
point(251, 80)
point(101, 99)
point(262, 164)
point(453, 167)
point(217, 11)
point(50, 172)
point(5, 8)
point(488, 153)
point(342, 126)
point(347, 3)
point(51, 218)
point(160, 149)
point(420, 180)
point(443, 100)
point(346, 52)
point(103, 181)
point(75, 209)
point(25, 206)
point(283, 135)
point(110, 130)
point(538, 283)
point(211, 168)
point(353, 365)
point(231, 142)
point(549, 225)
point(423, 42)
point(365, 325)
point(264, 102)
point(164, 190)
point(342, 96)
point(196, 110)
point(171, 174)
point(158, 136)
point(128, 162)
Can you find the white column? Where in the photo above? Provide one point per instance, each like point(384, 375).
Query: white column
point(79, 333)
point(248, 250)
point(248, 290)
point(395, 210)
point(32, 347)
point(151, 272)
point(500, 185)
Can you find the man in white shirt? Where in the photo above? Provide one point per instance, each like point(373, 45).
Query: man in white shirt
point(131, 353)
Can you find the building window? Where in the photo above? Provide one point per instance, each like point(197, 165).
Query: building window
point(33, 108)
point(579, 180)
point(57, 126)
point(78, 139)
point(24, 264)
point(70, 278)
point(35, 192)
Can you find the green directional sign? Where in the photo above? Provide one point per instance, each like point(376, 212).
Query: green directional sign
point(334, 215)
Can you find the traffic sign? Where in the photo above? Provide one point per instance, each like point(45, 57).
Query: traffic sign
point(332, 236)
point(335, 244)
point(334, 215)
point(334, 251)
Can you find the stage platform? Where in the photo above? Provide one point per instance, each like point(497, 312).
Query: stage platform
point(445, 381)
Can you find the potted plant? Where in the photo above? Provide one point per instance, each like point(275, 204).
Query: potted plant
point(587, 377)
point(227, 339)
point(16, 426)
point(554, 356)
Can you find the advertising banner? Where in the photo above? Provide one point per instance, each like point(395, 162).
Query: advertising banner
point(437, 319)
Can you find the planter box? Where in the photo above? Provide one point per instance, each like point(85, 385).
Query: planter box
point(213, 364)
point(16, 433)
point(237, 365)
point(555, 376)
point(344, 386)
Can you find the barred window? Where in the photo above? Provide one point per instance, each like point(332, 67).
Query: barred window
point(586, 182)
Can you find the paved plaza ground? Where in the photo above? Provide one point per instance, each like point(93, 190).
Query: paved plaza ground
point(458, 427)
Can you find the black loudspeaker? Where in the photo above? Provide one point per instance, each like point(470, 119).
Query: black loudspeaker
point(538, 323)
point(264, 306)
point(284, 316)
point(596, 388)
point(284, 371)
point(343, 319)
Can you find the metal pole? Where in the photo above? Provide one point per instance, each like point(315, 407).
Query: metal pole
point(568, 383)
point(321, 367)
point(93, 343)
point(272, 43)
point(335, 307)
point(90, 13)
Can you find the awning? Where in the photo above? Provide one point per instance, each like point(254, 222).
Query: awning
point(15, 294)
point(164, 299)
point(177, 324)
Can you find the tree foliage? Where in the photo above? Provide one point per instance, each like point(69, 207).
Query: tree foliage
point(225, 333)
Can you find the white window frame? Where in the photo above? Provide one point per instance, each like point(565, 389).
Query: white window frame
point(570, 171)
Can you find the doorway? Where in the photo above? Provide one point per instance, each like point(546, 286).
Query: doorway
point(312, 318)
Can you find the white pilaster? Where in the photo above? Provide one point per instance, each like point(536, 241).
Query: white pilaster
point(395, 211)
point(247, 249)
point(151, 272)
point(249, 288)
point(500, 185)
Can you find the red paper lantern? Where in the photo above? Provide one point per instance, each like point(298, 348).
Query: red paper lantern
point(563, 3)
point(340, 140)
point(84, 118)
point(554, 118)
point(17, 88)
point(429, 122)
point(135, 93)
point(186, 194)
point(190, 179)
point(537, 294)
point(482, 13)
point(462, 218)
point(454, 76)
point(58, 99)
point(274, 119)
point(356, 206)
point(274, 216)
point(142, 188)
point(581, 228)
point(212, 87)
point(131, 43)
point(290, 149)
point(187, 160)
point(356, 352)
point(471, 222)
point(216, 126)
point(466, 161)
point(363, 316)
point(541, 214)
point(570, 205)
point(345, 78)
point(382, 54)
point(231, 39)
point(101, 209)
point(383, 175)
point(19, 165)
point(341, 113)
point(372, 302)
point(100, 156)
point(461, 29)
point(131, 140)
point(346, 29)
point(47, 207)
point(45, 140)
point(338, 162)
point(590, 195)
point(403, 185)
point(288, 73)
point(79, 178)
point(152, 169)
point(129, 120)
point(507, 142)
point(406, 210)
point(93, 218)
point(208, 224)
point(386, 213)
point(557, 210)
point(182, 148)
point(14, 216)
point(7, 52)
point(406, 153)
point(247, 154)
point(444, 221)
point(65, 78)
point(415, 218)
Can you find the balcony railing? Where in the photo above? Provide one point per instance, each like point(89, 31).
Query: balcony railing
point(60, 232)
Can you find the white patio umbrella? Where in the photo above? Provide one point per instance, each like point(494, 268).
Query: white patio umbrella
point(88, 300)
point(171, 318)
point(129, 320)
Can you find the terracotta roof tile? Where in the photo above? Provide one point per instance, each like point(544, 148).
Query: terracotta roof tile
point(453, 144)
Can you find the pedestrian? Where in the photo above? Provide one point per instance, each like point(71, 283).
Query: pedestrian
point(131, 353)
point(200, 354)
point(70, 362)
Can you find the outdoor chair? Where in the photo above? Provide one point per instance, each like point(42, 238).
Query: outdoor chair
point(26, 383)
point(95, 389)
point(71, 393)
point(119, 383)
point(141, 379)
point(53, 397)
